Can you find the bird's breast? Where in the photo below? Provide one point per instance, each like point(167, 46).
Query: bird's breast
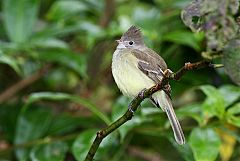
point(128, 77)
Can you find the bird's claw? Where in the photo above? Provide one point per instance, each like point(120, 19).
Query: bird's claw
point(130, 109)
point(141, 93)
point(167, 72)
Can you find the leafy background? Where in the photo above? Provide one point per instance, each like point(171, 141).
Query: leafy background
point(56, 88)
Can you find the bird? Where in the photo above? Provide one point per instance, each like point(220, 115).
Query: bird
point(136, 67)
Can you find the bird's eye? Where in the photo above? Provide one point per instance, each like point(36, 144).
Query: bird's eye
point(130, 43)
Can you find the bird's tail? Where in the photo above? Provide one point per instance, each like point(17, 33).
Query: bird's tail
point(161, 99)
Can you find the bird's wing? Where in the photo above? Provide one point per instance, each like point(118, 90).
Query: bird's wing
point(153, 66)
point(150, 63)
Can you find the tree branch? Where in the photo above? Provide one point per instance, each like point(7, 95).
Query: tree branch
point(9, 92)
point(136, 102)
point(108, 13)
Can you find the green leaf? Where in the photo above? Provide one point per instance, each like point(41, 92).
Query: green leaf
point(230, 94)
point(64, 9)
point(31, 124)
point(185, 38)
point(6, 59)
point(193, 111)
point(63, 78)
point(57, 96)
point(65, 123)
point(19, 18)
point(205, 144)
point(8, 120)
point(89, 31)
point(49, 43)
point(72, 60)
point(184, 150)
point(84, 141)
point(231, 60)
point(147, 18)
point(119, 108)
point(93, 108)
point(233, 115)
point(92, 29)
point(214, 103)
point(50, 152)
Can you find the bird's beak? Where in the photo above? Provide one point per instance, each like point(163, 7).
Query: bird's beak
point(118, 41)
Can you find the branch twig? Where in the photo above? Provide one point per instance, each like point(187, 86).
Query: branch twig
point(109, 11)
point(136, 102)
point(9, 92)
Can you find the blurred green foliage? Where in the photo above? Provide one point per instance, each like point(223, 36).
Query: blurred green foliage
point(56, 88)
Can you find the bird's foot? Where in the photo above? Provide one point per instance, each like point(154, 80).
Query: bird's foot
point(141, 93)
point(168, 73)
point(130, 109)
point(167, 90)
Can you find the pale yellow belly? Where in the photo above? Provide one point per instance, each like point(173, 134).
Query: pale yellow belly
point(129, 79)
